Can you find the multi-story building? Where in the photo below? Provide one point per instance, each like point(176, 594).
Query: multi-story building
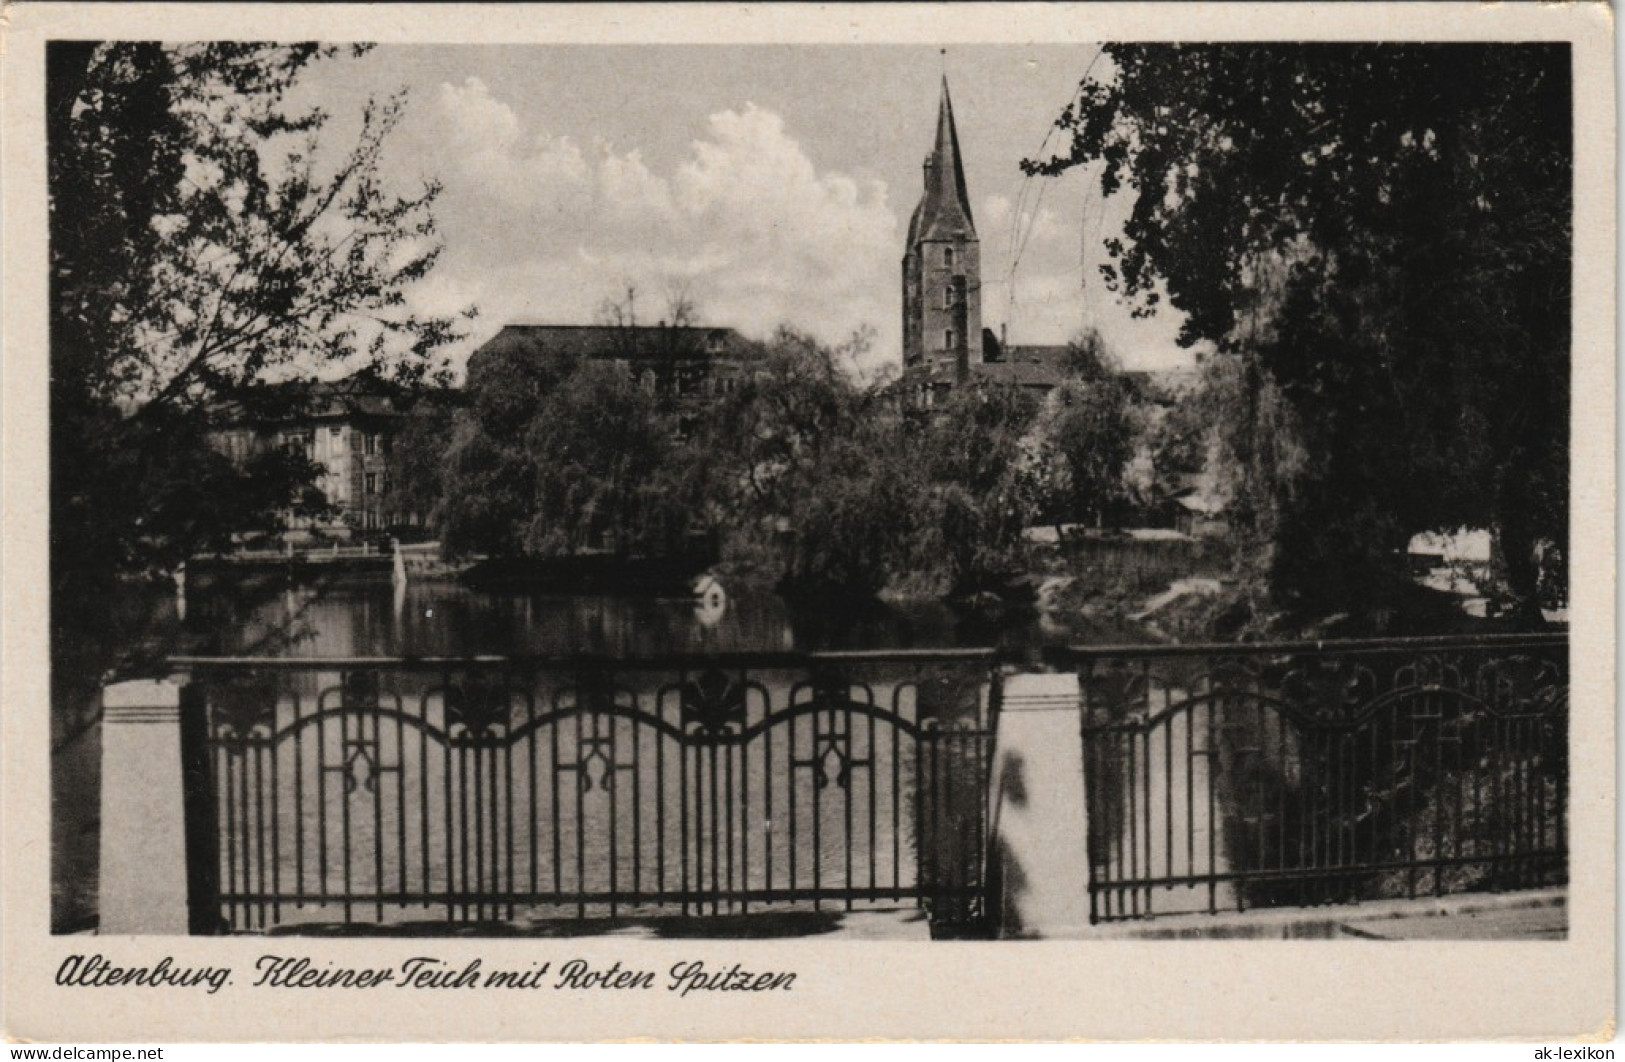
point(350, 428)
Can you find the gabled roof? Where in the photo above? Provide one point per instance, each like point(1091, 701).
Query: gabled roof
point(944, 208)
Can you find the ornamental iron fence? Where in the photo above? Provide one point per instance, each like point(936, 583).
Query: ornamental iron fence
point(1241, 776)
point(486, 790)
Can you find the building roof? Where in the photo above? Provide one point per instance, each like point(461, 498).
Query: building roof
point(359, 395)
point(1034, 373)
point(616, 342)
point(944, 209)
point(1044, 366)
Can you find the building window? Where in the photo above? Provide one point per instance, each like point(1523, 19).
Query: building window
point(337, 433)
point(948, 257)
point(948, 339)
point(948, 297)
point(372, 483)
point(372, 443)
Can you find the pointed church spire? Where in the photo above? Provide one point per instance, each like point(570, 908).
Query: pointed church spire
point(942, 315)
point(948, 204)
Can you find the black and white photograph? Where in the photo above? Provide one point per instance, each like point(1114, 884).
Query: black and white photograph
point(920, 497)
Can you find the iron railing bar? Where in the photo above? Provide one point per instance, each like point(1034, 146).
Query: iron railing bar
point(578, 661)
point(1063, 655)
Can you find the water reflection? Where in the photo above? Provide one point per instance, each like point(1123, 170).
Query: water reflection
point(381, 617)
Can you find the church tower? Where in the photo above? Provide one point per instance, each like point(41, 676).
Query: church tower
point(942, 264)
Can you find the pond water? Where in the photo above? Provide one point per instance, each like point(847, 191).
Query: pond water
point(372, 617)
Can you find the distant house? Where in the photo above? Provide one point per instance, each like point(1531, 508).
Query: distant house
point(1200, 515)
point(348, 427)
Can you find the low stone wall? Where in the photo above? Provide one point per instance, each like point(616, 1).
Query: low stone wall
point(1106, 559)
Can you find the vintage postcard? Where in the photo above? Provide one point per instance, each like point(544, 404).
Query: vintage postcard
point(716, 522)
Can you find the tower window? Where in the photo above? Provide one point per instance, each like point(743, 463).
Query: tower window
point(948, 339)
point(948, 257)
point(948, 298)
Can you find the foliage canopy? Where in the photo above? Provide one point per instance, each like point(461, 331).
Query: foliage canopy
point(1378, 237)
point(204, 245)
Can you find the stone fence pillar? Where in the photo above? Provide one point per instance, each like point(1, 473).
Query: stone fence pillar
point(149, 812)
point(1040, 830)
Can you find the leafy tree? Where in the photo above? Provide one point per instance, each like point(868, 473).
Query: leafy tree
point(1378, 238)
point(420, 454)
point(201, 250)
point(972, 502)
point(488, 475)
point(598, 445)
point(1088, 358)
point(1084, 437)
point(556, 455)
point(811, 469)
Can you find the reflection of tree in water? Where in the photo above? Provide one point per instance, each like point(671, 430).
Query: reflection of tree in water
point(131, 632)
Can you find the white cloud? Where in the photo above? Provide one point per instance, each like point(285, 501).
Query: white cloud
point(538, 229)
point(492, 157)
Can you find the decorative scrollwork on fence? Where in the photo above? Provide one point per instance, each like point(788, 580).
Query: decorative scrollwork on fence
point(832, 745)
point(1430, 673)
point(1327, 687)
point(478, 708)
point(1116, 689)
point(597, 699)
point(359, 689)
point(831, 758)
point(243, 708)
point(361, 766)
point(1521, 683)
point(595, 747)
point(946, 698)
point(713, 703)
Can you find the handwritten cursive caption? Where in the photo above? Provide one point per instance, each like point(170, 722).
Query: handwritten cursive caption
point(425, 972)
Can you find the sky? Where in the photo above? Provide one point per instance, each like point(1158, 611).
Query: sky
point(771, 183)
